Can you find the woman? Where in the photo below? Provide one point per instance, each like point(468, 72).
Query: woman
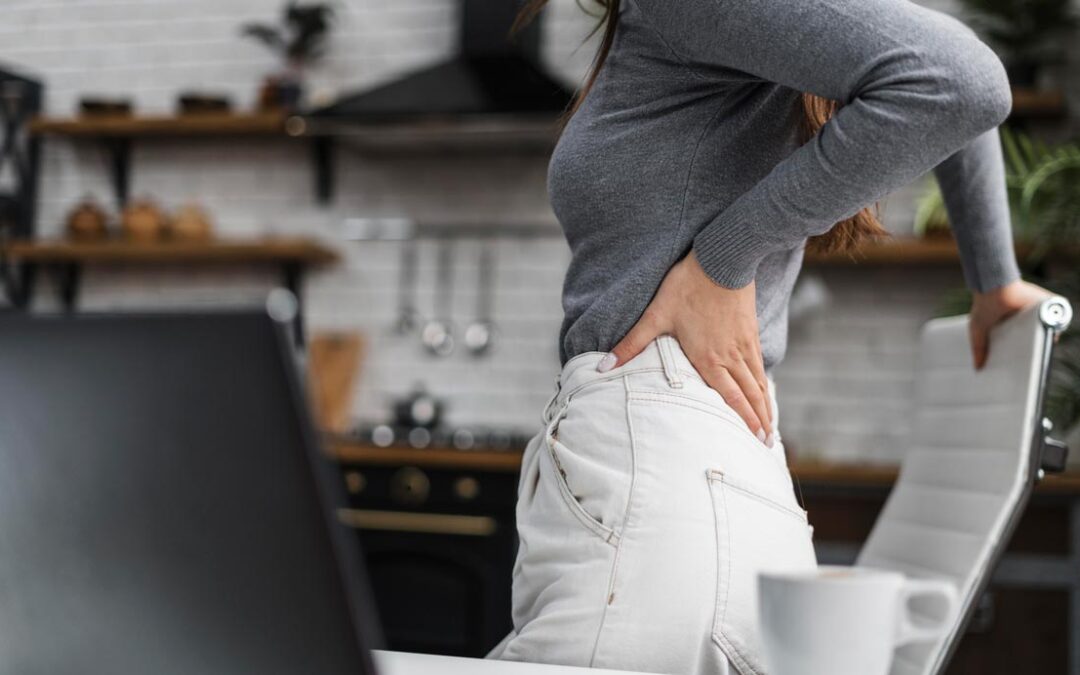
point(713, 139)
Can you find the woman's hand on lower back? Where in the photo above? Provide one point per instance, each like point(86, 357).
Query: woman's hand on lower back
point(992, 307)
point(717, 329)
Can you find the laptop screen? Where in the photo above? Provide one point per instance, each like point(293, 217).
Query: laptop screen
point(163, 506)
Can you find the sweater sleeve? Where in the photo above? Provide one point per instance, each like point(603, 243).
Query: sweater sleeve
point(916, 84)
point(972, 185)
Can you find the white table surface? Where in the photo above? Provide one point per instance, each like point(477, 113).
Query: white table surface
point(401, 663)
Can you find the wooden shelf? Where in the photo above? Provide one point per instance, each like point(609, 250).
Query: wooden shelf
point(130, 126)
point(902, 251)
point(273, 249)
point(65, 259)
point(117, 133)
point(1026, 103)
point(898, 251)
point(833, 474)
point(1049, 103)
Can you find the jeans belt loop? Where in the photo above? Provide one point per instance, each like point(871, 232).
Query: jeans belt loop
point(667, 358)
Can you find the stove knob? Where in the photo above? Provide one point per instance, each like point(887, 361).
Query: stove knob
point(464, 439)
point(410, 485)
point(355, 482)
point(419, 437)
point(467, 488)
point(383, 436)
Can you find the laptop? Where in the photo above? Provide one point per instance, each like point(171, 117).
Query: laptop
point(164, 506)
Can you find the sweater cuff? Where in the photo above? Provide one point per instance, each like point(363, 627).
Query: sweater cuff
point(989, 272)
point(729, 249)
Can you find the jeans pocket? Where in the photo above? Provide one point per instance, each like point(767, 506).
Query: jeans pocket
point(757, 529)
point(590, 471)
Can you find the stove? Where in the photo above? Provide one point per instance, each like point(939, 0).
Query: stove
point(439, 537)
point(465, 438)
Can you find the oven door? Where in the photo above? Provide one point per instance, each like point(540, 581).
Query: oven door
point(439, 548)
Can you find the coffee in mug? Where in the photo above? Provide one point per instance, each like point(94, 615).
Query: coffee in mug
point(839, 620)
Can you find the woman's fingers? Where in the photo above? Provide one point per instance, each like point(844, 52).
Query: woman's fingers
point(980, 344)
point(751, 388)
point(719, 377)
point(989, 308)
point(644, 331)
point(757, 368)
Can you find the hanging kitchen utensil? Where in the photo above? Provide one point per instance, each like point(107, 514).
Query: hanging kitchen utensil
point(480, 334)
point(438, 333)
point(408, 319)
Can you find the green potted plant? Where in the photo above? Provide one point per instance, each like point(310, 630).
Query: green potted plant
point(1043, 187)
point(299, 40)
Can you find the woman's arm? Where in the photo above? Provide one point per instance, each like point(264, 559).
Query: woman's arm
point(917, 86)
point(972, 185)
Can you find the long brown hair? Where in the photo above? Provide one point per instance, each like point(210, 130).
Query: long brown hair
point(844, 235)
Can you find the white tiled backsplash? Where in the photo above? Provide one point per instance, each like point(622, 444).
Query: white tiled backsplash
point(843, 389)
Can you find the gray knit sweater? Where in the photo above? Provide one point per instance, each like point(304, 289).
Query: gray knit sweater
point(689, 138)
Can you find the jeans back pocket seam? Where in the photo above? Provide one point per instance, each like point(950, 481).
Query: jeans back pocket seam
point(723, 575)
point(798, 513)
point(719, 482)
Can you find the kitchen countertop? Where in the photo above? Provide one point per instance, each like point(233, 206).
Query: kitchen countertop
point(508, 461)
point(402, 663)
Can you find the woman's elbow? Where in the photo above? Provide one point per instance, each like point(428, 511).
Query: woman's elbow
point(948, 84)
point(978, 87)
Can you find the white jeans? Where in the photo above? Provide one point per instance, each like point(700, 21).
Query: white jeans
point(646, 509)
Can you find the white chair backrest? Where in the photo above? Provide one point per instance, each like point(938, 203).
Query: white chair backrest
point(972, 460)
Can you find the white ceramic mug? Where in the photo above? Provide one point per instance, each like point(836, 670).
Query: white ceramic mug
point(846, 620)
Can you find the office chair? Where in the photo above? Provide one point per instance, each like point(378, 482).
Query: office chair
point(978, 447)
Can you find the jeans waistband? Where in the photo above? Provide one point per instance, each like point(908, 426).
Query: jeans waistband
point(663, 353)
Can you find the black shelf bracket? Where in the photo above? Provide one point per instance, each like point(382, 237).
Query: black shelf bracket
point(322, 163)
point(68, 277)
point(292, 278)
point(20, 155)
point(20, 283)
point(119, 152)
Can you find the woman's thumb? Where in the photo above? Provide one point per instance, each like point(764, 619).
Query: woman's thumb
point(639, 337)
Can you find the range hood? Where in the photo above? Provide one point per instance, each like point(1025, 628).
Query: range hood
point(491, 89)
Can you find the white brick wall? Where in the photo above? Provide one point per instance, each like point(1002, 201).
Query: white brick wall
point(843, 389)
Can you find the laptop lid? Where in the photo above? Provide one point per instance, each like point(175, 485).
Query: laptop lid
point(164, 507)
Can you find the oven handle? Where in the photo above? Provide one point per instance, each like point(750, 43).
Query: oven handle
point(425, 523)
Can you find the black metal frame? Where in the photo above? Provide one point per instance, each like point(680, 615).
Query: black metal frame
point(119, 148)
point(283, 311)
point(20, 101)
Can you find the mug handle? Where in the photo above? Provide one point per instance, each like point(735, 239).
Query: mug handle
point(907, 630)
